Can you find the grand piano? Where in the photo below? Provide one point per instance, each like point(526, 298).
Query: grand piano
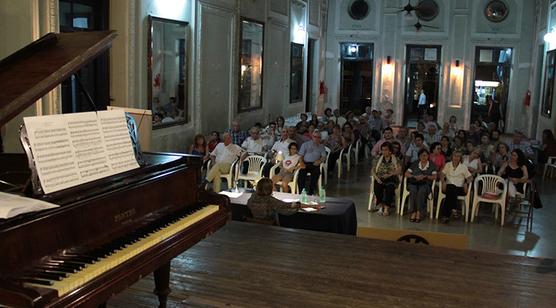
point(106, 234)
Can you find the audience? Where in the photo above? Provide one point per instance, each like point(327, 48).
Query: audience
point(312, 154)
point(420, 176)
point(516, 172)
point(519, 143)
point(454, 177)
point(222, 159)
point(290, 163)
point(432, 135)
point(254, 144)
point(386, 170)
point(473, 162)
point(437, 156)
point(237, 135)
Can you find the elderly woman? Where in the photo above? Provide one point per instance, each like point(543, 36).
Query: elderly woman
point(516, 173)
point(473, 162)
point(419, 180)
point(265, 207)
point(290, 163)
point(386, 170)
point(454, 176)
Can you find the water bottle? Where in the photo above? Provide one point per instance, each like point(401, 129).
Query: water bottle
point(322, 195)
point(304, 198)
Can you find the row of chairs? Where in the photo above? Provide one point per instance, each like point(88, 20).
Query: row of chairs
point(487, 188)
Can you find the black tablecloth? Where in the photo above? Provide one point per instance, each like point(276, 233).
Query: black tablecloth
point(338, 216)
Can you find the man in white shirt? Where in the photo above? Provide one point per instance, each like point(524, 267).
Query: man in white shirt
point(432, 134)
point(282, 144)
point(222, 158)
point(422, 105)
point(254, 143)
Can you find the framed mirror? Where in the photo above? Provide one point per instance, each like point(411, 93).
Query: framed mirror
point(296, 73)
point(167, 71)
point(496, 11)
point(549, 75)
point(251, 65)
point(427, 10)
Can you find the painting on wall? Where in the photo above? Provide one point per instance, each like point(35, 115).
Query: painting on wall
point(167, 71)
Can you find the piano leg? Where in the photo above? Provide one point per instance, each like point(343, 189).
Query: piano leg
point(162, 284)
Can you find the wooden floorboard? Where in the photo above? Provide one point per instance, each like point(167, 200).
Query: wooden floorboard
point(247, 265)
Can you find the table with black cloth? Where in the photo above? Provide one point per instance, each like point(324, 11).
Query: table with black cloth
point(337, 216)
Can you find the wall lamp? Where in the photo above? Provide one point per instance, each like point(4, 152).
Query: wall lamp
point(388, 60)
point(457, 63)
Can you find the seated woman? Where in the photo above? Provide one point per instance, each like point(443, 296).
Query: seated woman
point(473, 162)
point(516, 173)
point(214, 140)
point(437, 156)
point(290, 163)
point(386, 170)
point(334, 143)
point(419, 180)
point(199, 147)
point(501, 156)
point(454, 177)
point(265, 207)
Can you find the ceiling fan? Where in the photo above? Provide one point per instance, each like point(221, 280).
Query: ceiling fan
point(418, 25)
point(425, 10)
point(408, 8)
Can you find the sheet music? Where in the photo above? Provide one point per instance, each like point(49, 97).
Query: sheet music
point(72, 149)
point(13, 205)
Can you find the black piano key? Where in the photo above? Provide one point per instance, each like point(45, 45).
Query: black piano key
point(65, 264)
point(51, 272)
point(37, 281)
point(46, 276)
point(56, 268)
point(76, 259)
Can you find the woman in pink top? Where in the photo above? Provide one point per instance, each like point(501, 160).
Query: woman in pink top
point(437, 156)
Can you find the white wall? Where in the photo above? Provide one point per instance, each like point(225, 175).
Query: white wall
point(461, 27)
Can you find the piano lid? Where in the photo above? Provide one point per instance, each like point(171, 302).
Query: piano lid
point(39, 67)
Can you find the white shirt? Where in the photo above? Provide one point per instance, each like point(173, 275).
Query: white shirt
point(226, 154)
point(253, 146)
point(422, 99)
point(474, 164)
point(282, 146)
point(290, 161)
point(456, 176)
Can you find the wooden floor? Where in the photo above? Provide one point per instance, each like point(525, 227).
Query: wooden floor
point(252, 265)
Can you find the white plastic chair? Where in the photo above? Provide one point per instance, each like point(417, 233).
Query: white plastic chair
point(229, 177)
point(465, 206)
point(347, 153)
point(490, 184)
point(254, 171)
point(292, 184)
point(372, 195)
point(356, 150)
point(549, 167)
point(405, 195)
point(324, 166)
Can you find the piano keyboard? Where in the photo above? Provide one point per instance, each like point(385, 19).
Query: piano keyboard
point(71, 270)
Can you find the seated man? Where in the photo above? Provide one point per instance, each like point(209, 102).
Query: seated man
point(222, 158)
point(313, 153)
point(388, 136)
point(432, 135)
point(254, 143)
point(412, 153)
point(403, 138)
point(237, 135)
point(518, 142)
point(376, 124)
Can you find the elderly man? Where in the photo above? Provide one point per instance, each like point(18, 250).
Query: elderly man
point(388, 136)
point(403, 138)
point(518, 142)
point(313, 154)
point(412, 153)
point(222, 158)
point(281, 145)
point(254, 143)
point(238, 136)
point(377, 125)
point(432, 134)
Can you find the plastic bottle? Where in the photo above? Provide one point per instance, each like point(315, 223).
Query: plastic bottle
point(322, 195)
point(304, 198)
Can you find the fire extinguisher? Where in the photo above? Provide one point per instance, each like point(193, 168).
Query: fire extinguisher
point(527, 99)
point(322, 88)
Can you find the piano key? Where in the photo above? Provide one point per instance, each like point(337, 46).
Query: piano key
point(56, 268)
point(47, 276)
point(90, 272)
point(59, 273)
point(40, 282)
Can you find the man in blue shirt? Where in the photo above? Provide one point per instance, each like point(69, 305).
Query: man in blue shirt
point(238, 136)
point(313, 154)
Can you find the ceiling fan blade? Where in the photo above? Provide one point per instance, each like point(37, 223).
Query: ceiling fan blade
point(432, 27)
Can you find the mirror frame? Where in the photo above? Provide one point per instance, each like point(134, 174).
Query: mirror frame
point(496, 19)
point(261, 74)
point(297, 49)
point(548, 96)
point(185, 72)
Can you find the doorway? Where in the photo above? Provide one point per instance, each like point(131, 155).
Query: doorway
point(357, 77)
point(422, 82)
point(83, 16)
point(310, 66)
point(491, 82)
